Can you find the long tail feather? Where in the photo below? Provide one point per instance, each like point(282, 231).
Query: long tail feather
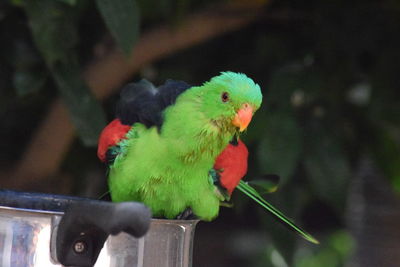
point(253, 194)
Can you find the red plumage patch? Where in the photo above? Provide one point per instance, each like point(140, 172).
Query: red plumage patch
point(111, 135)
point(233, 163)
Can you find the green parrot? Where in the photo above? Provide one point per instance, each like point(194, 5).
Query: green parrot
point(176, 148)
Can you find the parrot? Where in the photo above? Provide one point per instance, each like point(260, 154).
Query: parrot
point(177, 148)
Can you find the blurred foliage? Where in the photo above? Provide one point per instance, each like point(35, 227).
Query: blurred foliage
point(333, 252)
point(328, 70)
point(122, 18)
point(55, 34)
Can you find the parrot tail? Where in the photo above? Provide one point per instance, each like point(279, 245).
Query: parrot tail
point(253, 194)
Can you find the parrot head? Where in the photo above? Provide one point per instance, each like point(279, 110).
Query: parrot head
point(230, 100)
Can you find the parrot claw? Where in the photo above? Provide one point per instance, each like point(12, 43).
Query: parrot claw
point(226, 204)
point(220, 191)
point(187, 214)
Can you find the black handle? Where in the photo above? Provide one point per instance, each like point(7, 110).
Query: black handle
point(85, 227)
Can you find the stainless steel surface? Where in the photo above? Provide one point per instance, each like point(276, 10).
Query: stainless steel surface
point(25, 238)
point(25, 242)
point(168, 243)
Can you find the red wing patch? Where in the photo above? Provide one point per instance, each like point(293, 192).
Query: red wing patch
point(233, 163)
point(111, 135)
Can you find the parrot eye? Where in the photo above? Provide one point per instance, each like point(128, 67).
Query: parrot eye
point(225, 97)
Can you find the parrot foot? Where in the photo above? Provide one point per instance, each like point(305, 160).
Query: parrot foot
point(214, 176)
point(187, 214)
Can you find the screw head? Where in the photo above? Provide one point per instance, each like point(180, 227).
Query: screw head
point(80, 247)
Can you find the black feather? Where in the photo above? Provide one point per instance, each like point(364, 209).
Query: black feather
point(142, 102)
point(168, 93)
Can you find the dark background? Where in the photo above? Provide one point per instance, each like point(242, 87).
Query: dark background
point(329, 123)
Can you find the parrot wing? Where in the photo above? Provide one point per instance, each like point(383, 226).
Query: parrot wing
point(139, 102)
point(142, 102)
point(108, 148)
point(230, 166)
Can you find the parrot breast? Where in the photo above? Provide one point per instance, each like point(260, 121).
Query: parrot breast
point(139, 103)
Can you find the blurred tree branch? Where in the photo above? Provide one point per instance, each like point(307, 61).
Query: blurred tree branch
point(104, 75)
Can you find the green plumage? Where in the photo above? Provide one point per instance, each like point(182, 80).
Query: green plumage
point(168, 170)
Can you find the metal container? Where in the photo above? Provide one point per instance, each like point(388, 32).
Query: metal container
point(43, 238)
point(168, 243)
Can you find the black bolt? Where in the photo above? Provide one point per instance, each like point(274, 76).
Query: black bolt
point(80, 247)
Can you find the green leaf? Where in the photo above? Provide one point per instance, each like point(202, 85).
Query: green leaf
point(334, 251)
point(69, 2)
point(122, 19)
point(22, 2)
point(55, 35)
point(86, 112)
point(30, 71)
point(280, 148)
point(17, 2)
point(386, 151)
point(29, 81)
point(327, 166)
point(265, 184)
point(54, 31)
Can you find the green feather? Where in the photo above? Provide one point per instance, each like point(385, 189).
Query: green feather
point(168, 170)
point(253, 194)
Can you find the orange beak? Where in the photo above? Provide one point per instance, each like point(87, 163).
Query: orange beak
point(243, 117)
